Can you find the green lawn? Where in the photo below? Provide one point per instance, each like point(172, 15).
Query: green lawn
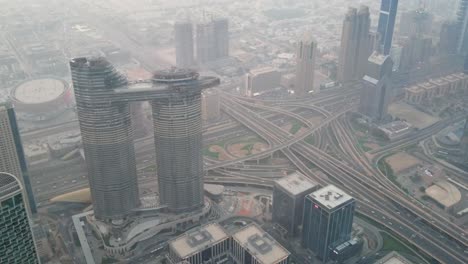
point(310, 139)
point(296, 126)
point(207, 152)
point(392, 244)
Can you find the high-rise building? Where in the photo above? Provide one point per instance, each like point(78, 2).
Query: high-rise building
point(253, 245)
point(16, 238)
point(416, 51)
point(464, 143)
point(221, 37)
point(260, 80)
point(103, 96)
point(328, 220)
point(416, 22)
point(288, 200)
point(462, 16)
point(376, 93)
point(107, 136)
point(305, 66)
point(448, 33)
point(183, 36)
point(388, 12)
point(205, 42)
point(12, 158)
point(212, 40)
point(355, 44)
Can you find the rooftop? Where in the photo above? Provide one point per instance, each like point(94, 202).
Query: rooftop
point(296, 183)
point(263, 70)
point(377, 58)
point(330, 196)
point(197, 240)
point(393, 258)
point(444, 193)
point(427, 85)
point(260, 245)
point(439, 81)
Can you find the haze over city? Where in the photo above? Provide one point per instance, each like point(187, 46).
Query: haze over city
point(234, 132)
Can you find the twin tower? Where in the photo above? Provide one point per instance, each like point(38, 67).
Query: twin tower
point(102, 98)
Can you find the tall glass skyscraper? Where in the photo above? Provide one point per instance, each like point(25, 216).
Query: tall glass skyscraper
point(328, 220)
point(12, 159)
point(462, 15)
point(16, 239)
point(388, 12)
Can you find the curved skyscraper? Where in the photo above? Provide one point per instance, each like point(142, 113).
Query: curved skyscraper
point(103, 97)
point(107, 136)
point(16, 239)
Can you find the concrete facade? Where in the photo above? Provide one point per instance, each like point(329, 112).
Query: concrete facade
point(305, 66)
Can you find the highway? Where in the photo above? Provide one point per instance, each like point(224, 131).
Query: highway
point(370, 191)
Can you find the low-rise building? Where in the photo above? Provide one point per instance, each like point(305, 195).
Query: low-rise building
point(206, 244)
point(393, 258)
point(253, 245)
point(396, 129)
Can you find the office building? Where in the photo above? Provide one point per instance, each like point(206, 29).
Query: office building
point(183, 36)
point(16, 238)
point(261, 80)
point(355, 44)
point(448, 32)
point(328, 220)
point(462, 16)
point(376, 93)
point(288, 200)
point(253, 245)
point(305, 66)
point(205, 42)
point(464, 143)
point(416, 22)
point(374, 42)
point(212, 40)
point(416, 51)
point(211, 105)
point(205, 244)
point(386, 26)
point(12, 157)
point(221, 37)
point(103, 96)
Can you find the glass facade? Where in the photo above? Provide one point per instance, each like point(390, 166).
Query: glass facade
point(324, 229)
point(388, 12)
point(16, 241)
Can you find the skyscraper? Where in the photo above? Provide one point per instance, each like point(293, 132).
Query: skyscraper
point(221, 37)
point(462, 15)
point(183, 35)
point(305, 66)
point(212, 40)
point(288, 200)
point(448, 32)
point(355, 44)
point(16, 239)
point(107, 135)
point(12, 159)
point(377, 91)
point(328, 220)
point(102, 96)
point(388, 12)
point(416, 22)
point(205, 42)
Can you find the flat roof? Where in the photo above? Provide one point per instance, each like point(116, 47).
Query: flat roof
point(439, 81)
point(415, 89)
point(393, 258)
point(377, 58)
point(330, 196)
point(263, 70)
point(260, 245)
point(367, 78)
point(39, 91)
point(296, 183)
point(197, 240)
point(427, 85)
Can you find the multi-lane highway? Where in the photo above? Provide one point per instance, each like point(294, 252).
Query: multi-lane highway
point(442, 248)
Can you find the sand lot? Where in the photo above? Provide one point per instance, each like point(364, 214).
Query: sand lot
point(402, 161)
point(415, 117)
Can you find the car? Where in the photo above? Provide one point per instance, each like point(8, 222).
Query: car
point(74, 181)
